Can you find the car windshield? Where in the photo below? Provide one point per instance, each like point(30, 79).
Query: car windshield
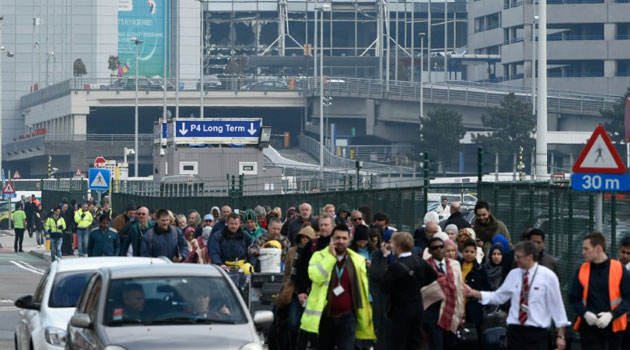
point(67, 288)
point(173, 300)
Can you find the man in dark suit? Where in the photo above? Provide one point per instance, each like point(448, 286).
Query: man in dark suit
point(403, 281)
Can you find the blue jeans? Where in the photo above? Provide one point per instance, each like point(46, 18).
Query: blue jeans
point(55, 248)
point(82, 240)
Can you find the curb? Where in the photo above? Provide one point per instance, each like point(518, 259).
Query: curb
point(40, 255)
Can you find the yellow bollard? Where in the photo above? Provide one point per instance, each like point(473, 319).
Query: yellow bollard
point(47, 240)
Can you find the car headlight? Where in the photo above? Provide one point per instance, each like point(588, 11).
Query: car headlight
point(251, 346)
point(114, 347)
point(55, 336)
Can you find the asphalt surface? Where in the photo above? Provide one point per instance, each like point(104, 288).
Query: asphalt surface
point(19, 275)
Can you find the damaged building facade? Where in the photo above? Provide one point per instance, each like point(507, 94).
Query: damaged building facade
point(360, 38)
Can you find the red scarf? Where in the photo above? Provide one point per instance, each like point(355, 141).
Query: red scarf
point(447, 283)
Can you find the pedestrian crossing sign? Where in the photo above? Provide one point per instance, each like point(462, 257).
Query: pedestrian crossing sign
point(99, 179)
point(599, 156)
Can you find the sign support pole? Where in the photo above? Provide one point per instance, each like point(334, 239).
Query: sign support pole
point(10, 218)
point(599, 205)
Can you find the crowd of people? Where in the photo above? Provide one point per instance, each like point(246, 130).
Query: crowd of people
point(353, 281)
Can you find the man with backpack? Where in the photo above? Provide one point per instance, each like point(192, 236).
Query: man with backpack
point(164, 240)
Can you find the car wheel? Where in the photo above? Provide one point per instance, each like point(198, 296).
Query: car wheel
point(4, 224)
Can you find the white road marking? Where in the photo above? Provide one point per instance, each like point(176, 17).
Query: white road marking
point(18, 264)
point(6, 301)
point(9, 308)
point(31, 266)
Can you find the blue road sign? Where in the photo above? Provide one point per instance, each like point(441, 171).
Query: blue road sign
point(99, 179)
point(600, 182)
point(9, 195)
point(234, 131)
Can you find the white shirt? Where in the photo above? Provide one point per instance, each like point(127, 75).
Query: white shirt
point(544, 299)
point(403, 255)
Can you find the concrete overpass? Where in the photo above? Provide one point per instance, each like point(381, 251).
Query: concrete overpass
point(360, 107)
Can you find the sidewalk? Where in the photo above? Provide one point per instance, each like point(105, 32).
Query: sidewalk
point(29, 245)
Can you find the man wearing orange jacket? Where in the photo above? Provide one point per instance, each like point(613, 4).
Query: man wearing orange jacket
point(600, 296)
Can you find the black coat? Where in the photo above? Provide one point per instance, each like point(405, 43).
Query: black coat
point(402, 286)
point(477, 279)
point(458, 220)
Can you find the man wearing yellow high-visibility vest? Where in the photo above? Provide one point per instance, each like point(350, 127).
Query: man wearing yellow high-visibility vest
point(338, 307)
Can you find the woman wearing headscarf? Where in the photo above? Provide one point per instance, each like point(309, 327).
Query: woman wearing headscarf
point(494, 265)
point(450, 249)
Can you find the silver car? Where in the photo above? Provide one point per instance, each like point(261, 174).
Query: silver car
point(180, 306)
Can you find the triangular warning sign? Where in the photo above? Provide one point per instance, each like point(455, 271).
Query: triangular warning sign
point(99, 181)
point(599, 155)
point(8, 188)
point(17, 175)
point(79, 173)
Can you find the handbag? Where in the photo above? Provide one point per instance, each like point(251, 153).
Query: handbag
point(493, 317)
point(467, 334)
point(286, 294)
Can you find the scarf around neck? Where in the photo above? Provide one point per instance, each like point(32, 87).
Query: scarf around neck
point(447, 283)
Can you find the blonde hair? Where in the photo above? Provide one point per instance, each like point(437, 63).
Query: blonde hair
point(403, 240)
point(327, 207)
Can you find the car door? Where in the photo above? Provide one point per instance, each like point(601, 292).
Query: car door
point(30, 319)
point(85, 338)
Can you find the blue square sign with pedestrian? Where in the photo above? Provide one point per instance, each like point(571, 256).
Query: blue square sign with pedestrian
point(99, 179)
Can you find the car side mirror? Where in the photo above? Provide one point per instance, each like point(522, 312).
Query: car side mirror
point(26, 302)
point(81, 321)
point(263, 318)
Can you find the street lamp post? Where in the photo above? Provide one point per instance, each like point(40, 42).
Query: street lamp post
point(534, 20)
point(412, 54)
point(135, 161)
point(421, 78)
point(541, 101)
point(128, 151)
point(201, 114)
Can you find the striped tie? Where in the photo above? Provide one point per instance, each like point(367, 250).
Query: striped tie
point(522, 313)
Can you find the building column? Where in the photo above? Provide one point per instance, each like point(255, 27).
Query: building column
point(609, 31)
point(370, 116)
point(610, 67)
point(79, 126)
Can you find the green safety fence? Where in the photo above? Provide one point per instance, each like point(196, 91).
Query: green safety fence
point(566, 216)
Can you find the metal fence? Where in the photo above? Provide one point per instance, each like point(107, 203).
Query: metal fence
point(563, 214)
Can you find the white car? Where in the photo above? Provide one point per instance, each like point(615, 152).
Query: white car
point(45, 314)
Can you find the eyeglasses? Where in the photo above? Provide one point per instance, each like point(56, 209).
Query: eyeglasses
point(141, 214)
point(356, 219)
point(436, 247)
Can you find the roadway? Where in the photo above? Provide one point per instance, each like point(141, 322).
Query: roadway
point(19, 273)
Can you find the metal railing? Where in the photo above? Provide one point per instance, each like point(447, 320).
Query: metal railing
point(311, 146)
point(461, 93)
point(385, 154)
point(452, 92)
